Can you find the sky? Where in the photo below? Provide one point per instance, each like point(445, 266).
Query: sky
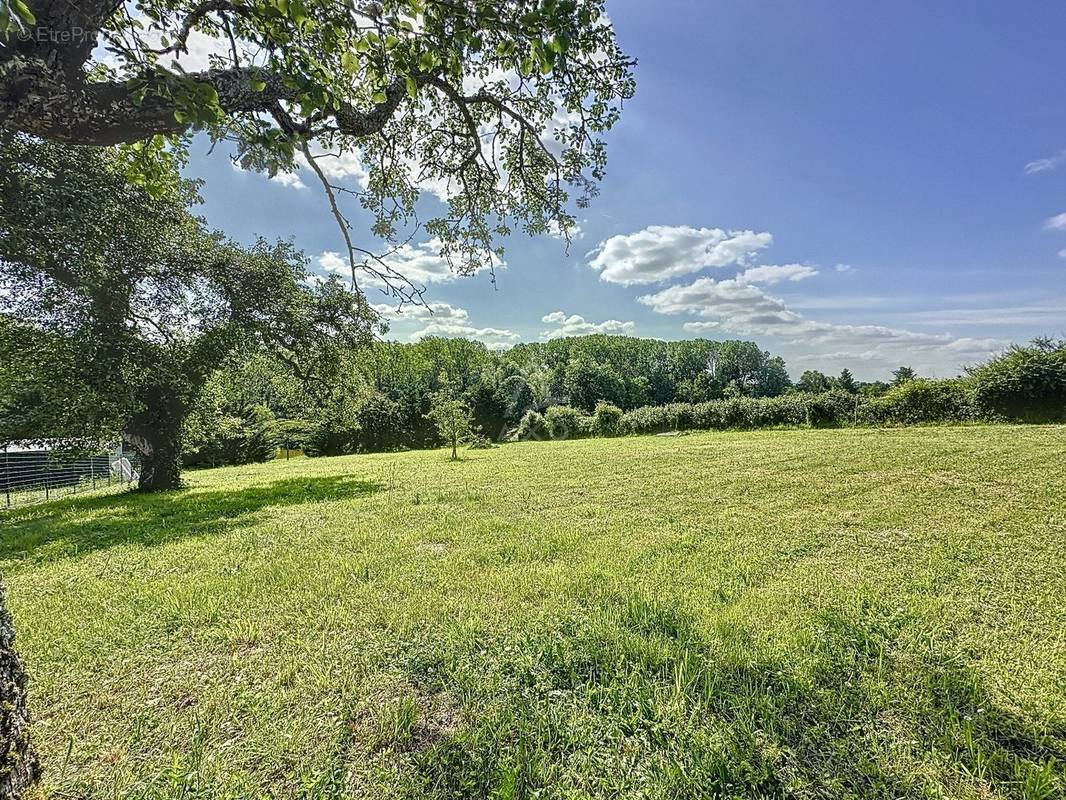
point(846, 184)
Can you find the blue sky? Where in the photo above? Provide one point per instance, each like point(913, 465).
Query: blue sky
point(903, 166)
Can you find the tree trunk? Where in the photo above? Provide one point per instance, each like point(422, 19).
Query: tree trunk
point(18, 762)
point(155, 433)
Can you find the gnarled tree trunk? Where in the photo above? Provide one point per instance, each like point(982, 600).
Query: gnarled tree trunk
point(18, 762)
point(155, 432)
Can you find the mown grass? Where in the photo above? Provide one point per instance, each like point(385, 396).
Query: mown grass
point(850, 613)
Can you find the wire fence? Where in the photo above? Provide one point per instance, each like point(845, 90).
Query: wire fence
point(30, 476)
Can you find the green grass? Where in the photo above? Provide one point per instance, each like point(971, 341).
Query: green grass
point(849, 613)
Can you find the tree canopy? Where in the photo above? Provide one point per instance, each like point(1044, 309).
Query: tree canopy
point(116, 308)
point(500, 106)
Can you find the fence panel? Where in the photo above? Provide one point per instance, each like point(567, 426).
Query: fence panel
point(37, 475)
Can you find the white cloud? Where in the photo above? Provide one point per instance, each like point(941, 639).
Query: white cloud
point(556, 232)
point(331, 261)
point(843, 267)
point(290, 179)
point(573, 325)
point(1057, 222)
point(662, 251)
point(771, 274)
point(738, 308)
point(198, 58)
point(423, 263)
point(442, 319)
point(1062, 253)
point(493, 338)
point(338, 166)
point(1045, 164)
point(418, 263)
point(432, 311)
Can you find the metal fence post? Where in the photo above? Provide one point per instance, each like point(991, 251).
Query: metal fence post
point(7, 479)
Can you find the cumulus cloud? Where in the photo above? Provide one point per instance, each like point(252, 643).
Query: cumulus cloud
point(419, 263)
point(573, 325)
point(1057, 222)
point(443, 319)
point(556, 232)
point(493, 338)
point(338, 166)
point(771, 274)
point(1045, 164)
point(331, 261)
point(290, 179)
point(660, 252)
point(411, 312)
point(738, 308)
point(423, 263)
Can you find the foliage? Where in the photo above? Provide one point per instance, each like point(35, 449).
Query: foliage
point(901, 375)
point(814, 382)
point(132, 304)
point(846, 382)
point(212, 438)
point(488, 409)
point(450, 413)
point(533, 426)
point(921, 401)
point(565, 422)
point(830, 409)
point(412, 89)
point(738, 413)
point(1026, 383)
point(379, 400)
point(606, 419)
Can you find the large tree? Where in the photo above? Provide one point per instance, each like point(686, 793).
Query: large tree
point(121, 304)
point(499, 105)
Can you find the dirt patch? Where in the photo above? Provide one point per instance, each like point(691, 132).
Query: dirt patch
point(435, 548)
point(403, 717)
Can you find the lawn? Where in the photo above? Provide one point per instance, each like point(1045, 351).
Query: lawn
point(846, 613)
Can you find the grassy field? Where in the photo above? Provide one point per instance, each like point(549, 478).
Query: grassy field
point(849, 613)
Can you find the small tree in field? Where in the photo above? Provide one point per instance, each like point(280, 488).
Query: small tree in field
point(451, 415)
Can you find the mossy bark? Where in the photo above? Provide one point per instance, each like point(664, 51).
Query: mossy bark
point(19, 768)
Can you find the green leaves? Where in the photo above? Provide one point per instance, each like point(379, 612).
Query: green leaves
point(15, 15)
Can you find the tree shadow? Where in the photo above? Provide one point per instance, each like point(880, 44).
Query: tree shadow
point(81, 525)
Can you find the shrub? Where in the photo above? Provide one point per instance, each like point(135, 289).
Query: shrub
point(735, 412)
point(533, 426)
point(370, 424)
point(478, 441)
point(606, 419)
point(565, 422)
point(920, 400)
point(1024, 383)
point(213, 438)
point(830, 409)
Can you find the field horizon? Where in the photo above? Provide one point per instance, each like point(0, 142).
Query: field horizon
point(780, 613)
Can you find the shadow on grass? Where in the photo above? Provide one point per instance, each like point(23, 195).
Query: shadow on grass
point(61, 530)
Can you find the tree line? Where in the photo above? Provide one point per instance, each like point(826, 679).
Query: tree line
point(437, 391)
